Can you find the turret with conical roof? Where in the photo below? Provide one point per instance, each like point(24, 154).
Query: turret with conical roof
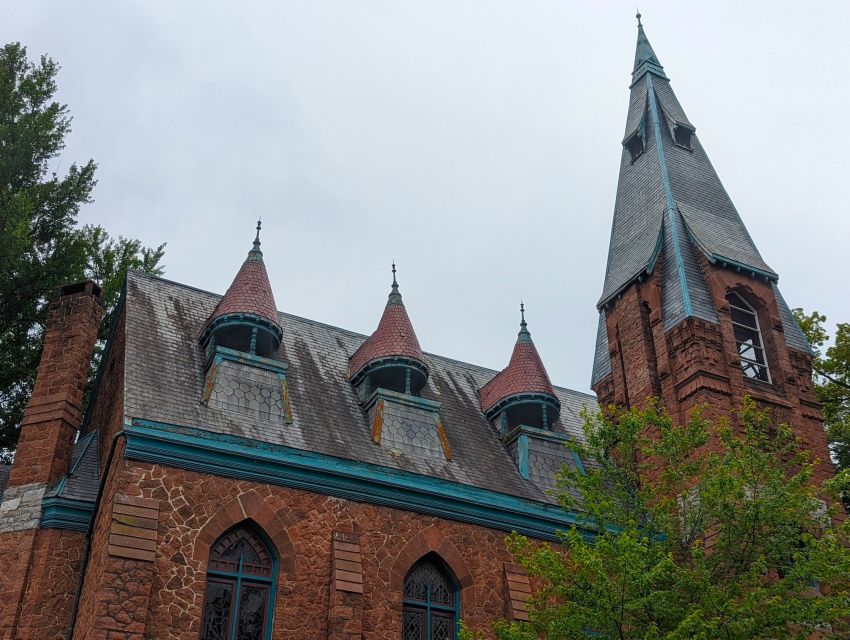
point(246, 319)
point(521, 393)
point(391, 357)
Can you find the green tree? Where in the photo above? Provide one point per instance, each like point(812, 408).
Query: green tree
point(832, 379)
point(729, 539)
point(41, 246)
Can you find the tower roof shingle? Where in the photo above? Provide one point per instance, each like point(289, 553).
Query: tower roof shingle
point(525, 374)
point(250, 293)
point(394, 337)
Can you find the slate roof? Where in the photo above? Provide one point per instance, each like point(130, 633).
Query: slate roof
point(250, 292)
point(165, 376)
point(524, 374)
point(83, 479)
point(670, 203)
point(394, 337)
point(601, 357)
point(5, 469)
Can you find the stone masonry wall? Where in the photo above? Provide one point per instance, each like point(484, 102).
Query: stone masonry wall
point(164, 598)
point(49, 595)
point(696, 364)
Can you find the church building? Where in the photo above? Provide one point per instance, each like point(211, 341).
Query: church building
point(242, 473)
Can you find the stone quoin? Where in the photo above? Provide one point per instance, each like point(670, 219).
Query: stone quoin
point(241, 472)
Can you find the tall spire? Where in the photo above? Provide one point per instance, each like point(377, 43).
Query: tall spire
point(246, 316)
point(670, 208)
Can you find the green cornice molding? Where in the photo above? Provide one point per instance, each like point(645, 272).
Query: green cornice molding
point(235, 457)
point(66, 513)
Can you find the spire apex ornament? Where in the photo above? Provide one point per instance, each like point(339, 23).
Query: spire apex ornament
point(395, 296)
point(637, 15)
point(257, 239)
point(524, 335)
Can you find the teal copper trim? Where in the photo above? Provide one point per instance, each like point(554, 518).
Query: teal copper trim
point(235, 457)
point(728, 262)
point(671, 204)
point(522, 454)
point(66, 513)
point(402, 398)
point(253, 360)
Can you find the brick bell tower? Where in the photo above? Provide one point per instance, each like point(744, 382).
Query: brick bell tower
point(690, 312)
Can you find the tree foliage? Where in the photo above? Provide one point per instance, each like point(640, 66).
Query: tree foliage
point(728, 538)
point(832, 379)
point(41, 246)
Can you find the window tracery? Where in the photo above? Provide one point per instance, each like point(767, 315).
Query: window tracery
point(430, 610)
point(240, 583)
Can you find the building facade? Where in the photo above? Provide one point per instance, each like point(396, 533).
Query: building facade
point(243, 473)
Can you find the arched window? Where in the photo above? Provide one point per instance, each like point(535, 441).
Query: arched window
point(430, 602)
point(745, 323)
point(241, 577)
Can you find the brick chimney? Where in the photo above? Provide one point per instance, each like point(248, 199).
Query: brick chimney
point(52, 417)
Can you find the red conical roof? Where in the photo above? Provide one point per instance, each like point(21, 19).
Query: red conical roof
point(394, 337)
point(250, 292)
point(524, 374)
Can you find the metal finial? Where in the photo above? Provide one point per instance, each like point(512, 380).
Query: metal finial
point(395, 284)
point(257, 238)
point(522, 312)
point(637, 15)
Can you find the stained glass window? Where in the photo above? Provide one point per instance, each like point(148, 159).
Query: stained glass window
point(430, 602)
point(745, 324)
point(240, 577)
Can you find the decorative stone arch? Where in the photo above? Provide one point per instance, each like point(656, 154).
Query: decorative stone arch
point(432, 540)
point(248, 507)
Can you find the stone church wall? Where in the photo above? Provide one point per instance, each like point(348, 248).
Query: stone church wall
point(194, 509)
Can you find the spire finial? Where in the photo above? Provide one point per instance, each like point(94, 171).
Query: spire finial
point(523, 335)
point(637, 15)
point(256, 247)
point(395, 296)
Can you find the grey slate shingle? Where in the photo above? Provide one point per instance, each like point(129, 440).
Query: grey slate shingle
point(164, 380)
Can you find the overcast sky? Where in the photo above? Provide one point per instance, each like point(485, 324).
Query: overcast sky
point(476, 143)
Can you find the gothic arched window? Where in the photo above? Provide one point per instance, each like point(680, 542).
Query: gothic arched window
point(241, 577)
point(745, 323)
point(430, 602)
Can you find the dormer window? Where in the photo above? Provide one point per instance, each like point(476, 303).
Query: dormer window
point(748, 340)
point(635, 146)
point(682, 136)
